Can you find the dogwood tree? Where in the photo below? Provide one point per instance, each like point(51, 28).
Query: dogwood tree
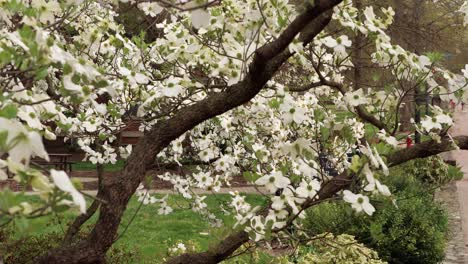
point(247, 87)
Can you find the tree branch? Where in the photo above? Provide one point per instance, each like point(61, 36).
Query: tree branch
point(328, 190)
point(222, 251)
point(426, 149)
point(360, 110)
point(118, 190)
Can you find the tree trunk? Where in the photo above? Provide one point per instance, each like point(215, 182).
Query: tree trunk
point(118, 190)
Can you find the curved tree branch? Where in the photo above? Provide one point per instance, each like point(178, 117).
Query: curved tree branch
point(426, 149)
point(329, 189)
point(221, 252)
point(118, 190)
point(360, 110)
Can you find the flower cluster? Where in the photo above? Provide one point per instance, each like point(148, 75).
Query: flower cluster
point(74, 69)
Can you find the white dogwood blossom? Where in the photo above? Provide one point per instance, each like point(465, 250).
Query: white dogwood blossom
point(76, 71)
point(62, 181)
point(273, 181)
point(359, 202)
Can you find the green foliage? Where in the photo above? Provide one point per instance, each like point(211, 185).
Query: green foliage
point(8, 111)
point(435, 56)
point(454, 173)
point(432, 170)
point(150, 234)
point(342, 249)
point(27, 249)
point(88, 166)
point(413, 231)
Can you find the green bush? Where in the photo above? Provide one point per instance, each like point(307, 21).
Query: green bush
point(414, 231)
point(342, 249)
point(455, 173)
point(26, 250)
point(432, 170)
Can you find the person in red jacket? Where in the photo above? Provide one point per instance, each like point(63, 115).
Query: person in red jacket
point(409, 142)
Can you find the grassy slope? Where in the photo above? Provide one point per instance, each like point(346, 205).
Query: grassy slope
point(151, 234)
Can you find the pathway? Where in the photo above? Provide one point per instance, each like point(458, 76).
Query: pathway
point(455, 197)
point(226, 190)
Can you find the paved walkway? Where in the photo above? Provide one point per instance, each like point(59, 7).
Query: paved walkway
point(455, 196)
point(226, 190)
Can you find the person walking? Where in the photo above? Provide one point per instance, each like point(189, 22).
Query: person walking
point(409, 141)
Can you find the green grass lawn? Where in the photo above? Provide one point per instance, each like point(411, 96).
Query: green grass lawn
point(150, 234)
point(88, 166)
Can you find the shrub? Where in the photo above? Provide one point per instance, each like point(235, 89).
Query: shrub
point(455, 172)
point(26, 250)
point(412, 232)
point(432, 170)
point(342, 249)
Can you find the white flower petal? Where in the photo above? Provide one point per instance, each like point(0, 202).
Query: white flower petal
point(62, 182)
point(200, 18)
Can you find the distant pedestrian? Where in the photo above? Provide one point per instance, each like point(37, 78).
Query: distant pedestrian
point(452, 105)
point(409, 142)
point(463, 105)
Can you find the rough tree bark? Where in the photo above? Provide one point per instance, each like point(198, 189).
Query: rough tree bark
point(118, 190)
point(426, 149)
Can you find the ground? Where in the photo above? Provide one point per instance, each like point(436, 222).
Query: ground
point(150, 240)
point(455, 198)
point(152, 245)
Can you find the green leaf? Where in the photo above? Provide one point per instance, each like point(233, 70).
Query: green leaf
point(5, 57)
point(295, 178)
point(250, 176)
point(259, 154)
point(3, 140)
point(7, 199)
point(325, 132)
point(21, 225)
point(355, 164)
point(9, 111)
point(41, 73)
point(435, 56)
point(102, 136)
point(281, 20)
point(61, 208)
point(67, 69)
point(101, 84)
point(27, 34)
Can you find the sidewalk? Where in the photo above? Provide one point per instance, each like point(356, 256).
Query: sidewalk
point(225, 190)
point(455, 197)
